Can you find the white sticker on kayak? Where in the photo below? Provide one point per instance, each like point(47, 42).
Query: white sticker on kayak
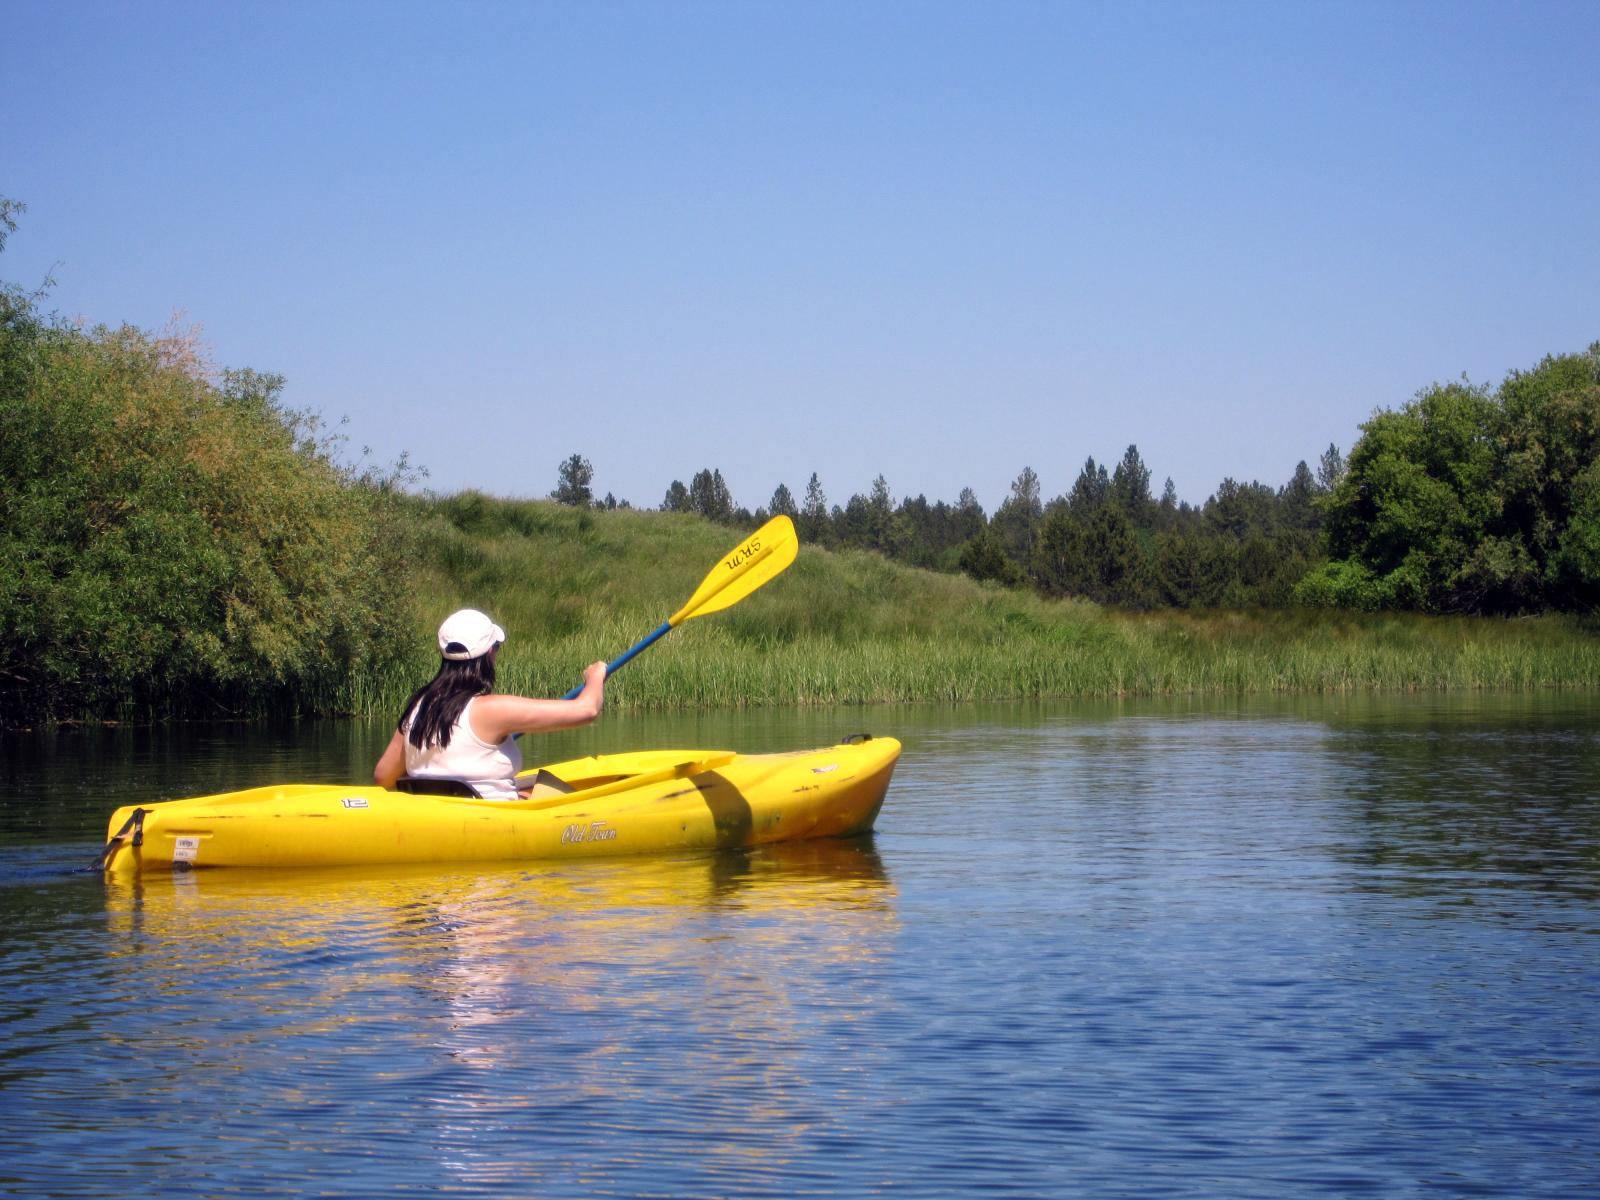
point(185, 849)
point(354, 802)
point(825, 770)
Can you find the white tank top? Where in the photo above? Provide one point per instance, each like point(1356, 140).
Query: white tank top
point(490, 768)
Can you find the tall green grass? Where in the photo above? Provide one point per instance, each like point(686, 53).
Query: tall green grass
point(572, 586)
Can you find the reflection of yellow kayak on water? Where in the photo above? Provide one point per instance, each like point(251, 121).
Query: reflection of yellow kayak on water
point(611, 804)
point(842, 873)
point(746, 936)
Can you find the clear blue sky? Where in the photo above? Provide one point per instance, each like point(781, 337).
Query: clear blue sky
point(937, 241)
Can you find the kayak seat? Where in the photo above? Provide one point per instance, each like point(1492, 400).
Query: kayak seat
point(422, 786)
point(541, 784)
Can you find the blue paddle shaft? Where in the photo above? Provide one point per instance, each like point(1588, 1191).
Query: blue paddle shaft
point(615, 664)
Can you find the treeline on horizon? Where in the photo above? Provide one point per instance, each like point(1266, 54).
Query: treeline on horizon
point(1106, 539)
point(1466, 500)
point(175, 539)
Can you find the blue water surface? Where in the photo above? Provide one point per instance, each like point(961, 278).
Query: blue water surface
point(1320, 948)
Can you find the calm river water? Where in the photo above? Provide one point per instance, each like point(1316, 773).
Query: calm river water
point(1317, 948)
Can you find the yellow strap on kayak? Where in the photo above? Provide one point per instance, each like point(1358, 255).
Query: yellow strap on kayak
point(683, 770)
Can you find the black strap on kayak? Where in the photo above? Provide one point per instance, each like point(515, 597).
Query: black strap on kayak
point(467, 789)
point(436, 785)
point(135, 825)
point(855, 739)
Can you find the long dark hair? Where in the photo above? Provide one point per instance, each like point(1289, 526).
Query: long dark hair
point(438, 703)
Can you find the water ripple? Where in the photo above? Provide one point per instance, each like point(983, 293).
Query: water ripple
point(1146, 953)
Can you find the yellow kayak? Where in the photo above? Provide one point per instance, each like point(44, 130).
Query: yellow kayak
point(610, 804)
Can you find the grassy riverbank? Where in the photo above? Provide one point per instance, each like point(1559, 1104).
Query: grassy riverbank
point(571, 586)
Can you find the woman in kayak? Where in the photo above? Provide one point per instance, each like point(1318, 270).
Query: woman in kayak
point(454, 728)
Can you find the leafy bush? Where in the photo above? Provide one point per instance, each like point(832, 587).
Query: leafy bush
point(1342, 585)
point(1474, 502)
point(173, 540)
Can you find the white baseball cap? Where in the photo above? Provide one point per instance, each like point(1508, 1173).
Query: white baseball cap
point(468, 634)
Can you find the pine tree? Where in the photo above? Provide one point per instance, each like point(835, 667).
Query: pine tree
point(1130, 487)
point(1016, 521)
point(709, 496)
point(814, 513)
point(677, 498)
point(1330, 469)
point(573, 478)
point(782, 503)
point(1089, 490)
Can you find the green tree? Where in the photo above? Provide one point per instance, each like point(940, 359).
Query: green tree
point(1297, 499)
point(783, 503)
point(1575, 566)
point(1550, 444)
point(573, 478)
point(709, 496)
point(1416, 503)
point(1060, 567)
point(967, 519)
point(985, 558)
point(1016, 521)
point(1166, 511)
point(10, 210)
point(170, 542)
point(1129, 488)
point(1241, 509)
point(677, 498)
point(1177, 568)
point(1089, 490)
point(1114, 559)
point(1330, 470)
point(880, 516)
point(813, 523)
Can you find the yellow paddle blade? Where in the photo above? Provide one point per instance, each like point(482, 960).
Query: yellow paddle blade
point(763, 556)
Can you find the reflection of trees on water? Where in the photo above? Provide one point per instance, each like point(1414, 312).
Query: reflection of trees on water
point(1497, 795)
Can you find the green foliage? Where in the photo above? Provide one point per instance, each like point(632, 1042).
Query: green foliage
point(813, 521)
point(1467, 501)
point(1343, 584)
point(1462, 501)
point(1089, 490)
point(1061, 565)
point(985, 558)
point(573, 480)
point(9, 211)
point(782, 503)
point(1106, 540)
point(677, 498)
point(1129, 489)
point(1016, 521)
point(853, 627)
point(1192, 570)
point(175, 542)
point(709, 496)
